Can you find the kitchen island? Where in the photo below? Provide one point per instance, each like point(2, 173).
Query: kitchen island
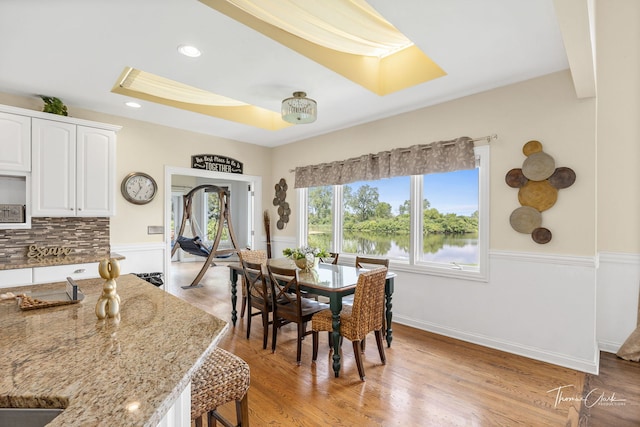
point(103, 372)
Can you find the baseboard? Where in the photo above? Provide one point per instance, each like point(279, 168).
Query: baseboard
point(589, 366)
point(609, 347)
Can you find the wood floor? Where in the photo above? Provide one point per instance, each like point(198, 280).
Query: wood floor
point(429, 379)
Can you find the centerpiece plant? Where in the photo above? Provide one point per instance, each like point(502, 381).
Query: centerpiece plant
point(304, 256)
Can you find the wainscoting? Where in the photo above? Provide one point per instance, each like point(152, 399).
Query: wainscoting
point(553, 308)
point(617, 295)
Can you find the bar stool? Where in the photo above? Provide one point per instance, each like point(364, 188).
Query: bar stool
point(222, 378)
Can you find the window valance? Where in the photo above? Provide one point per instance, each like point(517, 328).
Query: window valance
point(421, 159)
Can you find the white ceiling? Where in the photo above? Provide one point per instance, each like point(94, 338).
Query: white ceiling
point(76, 49)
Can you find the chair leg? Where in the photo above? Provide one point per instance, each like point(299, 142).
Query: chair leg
point(265, 329)
point(244, 297)
point(299, 347)
point(356, 352)
point(242, 410)
point(383, 358)
point(315, 346)
point(275, 327)
point(363, 345)
point(244, 306)
point(198, 421)
point(249, 316)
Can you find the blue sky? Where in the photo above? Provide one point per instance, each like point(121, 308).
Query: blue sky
point(453, 192)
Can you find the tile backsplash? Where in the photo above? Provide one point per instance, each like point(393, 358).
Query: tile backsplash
point(85, 236)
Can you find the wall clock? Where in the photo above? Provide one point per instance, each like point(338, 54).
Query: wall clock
point(138, 188)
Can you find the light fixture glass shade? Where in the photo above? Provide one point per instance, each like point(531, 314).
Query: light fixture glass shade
point(299, 109)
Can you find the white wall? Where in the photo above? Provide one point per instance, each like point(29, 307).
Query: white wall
point(618, 175)
point(540, 300)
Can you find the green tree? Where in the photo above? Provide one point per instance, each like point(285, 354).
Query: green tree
point(320, 205)
point(383, 210)
point(405, 208)
point(363, 203)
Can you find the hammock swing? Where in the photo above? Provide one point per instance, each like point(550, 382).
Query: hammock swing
point(194, 245)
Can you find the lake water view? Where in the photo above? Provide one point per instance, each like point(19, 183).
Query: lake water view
point(440, 248)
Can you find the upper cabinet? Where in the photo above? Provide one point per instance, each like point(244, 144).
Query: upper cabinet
point(15, 142)
point(73, 169)
point(54, 165)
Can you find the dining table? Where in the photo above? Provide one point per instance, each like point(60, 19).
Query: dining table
point(333, 281)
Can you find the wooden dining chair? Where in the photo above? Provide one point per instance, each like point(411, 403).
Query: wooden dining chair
point(255, 256)
point(289, 306)
point(258, 297)
point(359, 319)
point(364, 262)
point(331, 259)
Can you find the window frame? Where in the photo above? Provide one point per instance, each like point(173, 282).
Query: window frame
point(414, 265)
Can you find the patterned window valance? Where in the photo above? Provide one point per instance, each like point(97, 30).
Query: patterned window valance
point(441, 156)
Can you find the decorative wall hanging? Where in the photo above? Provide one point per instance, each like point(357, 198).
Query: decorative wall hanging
point(283, 207)
point(539, 181)
point(215, 163)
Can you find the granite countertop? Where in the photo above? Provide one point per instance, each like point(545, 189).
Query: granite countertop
point(26, 262)
point(103, 372)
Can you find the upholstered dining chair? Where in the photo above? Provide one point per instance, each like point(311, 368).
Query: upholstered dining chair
point(258, 297)
point(255, 256)
point(222, 378)
point(289, 306)
point(359, 319)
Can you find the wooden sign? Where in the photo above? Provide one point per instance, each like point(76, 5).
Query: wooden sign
point(39, 252)
point(215, 163)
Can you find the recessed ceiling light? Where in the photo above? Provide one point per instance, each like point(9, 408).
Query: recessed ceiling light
point(132, 104)
point(190, 51)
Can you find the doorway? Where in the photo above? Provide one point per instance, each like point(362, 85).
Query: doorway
point(245, 206)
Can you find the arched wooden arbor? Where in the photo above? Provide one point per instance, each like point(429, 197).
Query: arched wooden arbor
point(194, 245)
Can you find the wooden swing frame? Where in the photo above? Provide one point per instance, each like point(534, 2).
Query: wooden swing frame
point(187, 204)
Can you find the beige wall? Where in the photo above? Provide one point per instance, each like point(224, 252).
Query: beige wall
point(618, 76)
point(148, 148)
point(545, 109)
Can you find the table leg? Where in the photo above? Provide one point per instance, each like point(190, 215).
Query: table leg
point(335, 302)
point(233, 276)
point(388, 292)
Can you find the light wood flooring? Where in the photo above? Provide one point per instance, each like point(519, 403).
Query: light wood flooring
point(429, 379)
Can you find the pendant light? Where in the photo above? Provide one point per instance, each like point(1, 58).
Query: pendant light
point(299, 109)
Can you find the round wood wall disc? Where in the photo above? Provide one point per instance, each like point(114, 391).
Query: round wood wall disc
point(538, 166)
point(540, 195)
point(525, 219)
point(515, 178)
point(532, 147)
point(562, 178)
point(541, 235)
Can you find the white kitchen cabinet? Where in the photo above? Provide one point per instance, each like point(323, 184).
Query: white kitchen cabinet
point(59, 273)
point(73, 170)
point(15, 142)
point(15, 168)
point(16, 277)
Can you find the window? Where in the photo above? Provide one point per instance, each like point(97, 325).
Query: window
point(374, 221)
point(320, 217)
point(437, 223)
point(211, 206)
